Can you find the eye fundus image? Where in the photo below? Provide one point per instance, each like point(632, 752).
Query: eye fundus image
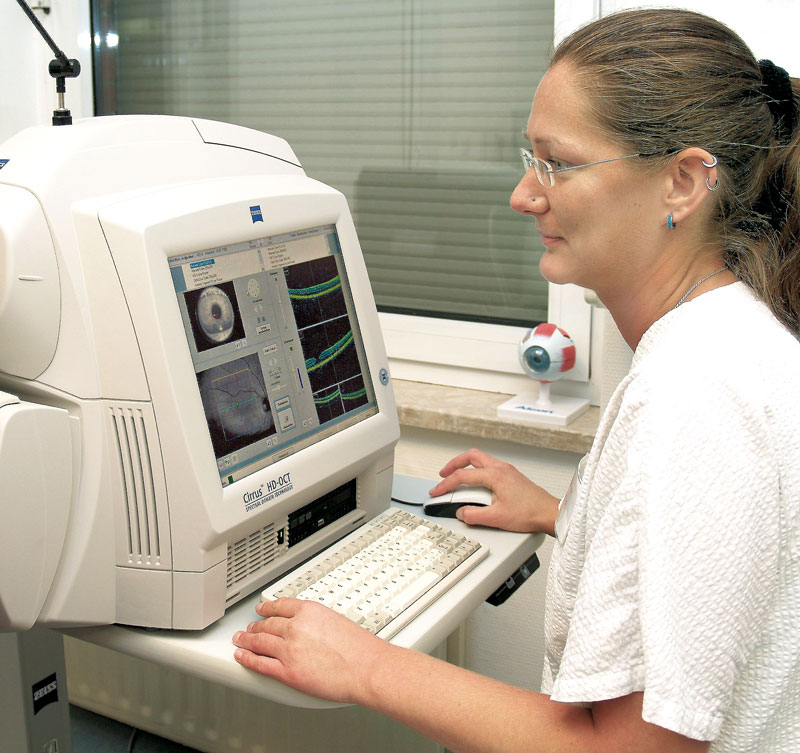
point(235, 400)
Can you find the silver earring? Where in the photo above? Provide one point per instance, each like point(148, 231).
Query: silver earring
point(670, 224)
point(713, 163)
point(533, 198)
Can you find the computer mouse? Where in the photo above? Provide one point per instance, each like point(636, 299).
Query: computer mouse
point(445, 506)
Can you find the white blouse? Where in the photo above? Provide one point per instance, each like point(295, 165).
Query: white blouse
point(679, 571)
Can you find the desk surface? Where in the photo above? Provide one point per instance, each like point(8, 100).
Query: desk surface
point(209, 653)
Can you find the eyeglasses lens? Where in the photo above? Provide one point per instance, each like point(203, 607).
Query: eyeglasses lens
point(543, 175)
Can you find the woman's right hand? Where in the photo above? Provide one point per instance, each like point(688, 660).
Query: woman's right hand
point(517, 503)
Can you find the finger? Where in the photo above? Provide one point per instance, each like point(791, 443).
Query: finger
point(273, 625)
point(263, 644)
point(462, 476)
point(470, 457)
point(265, 665)
point(283, 607)
point(473, 515)
point(459, 461)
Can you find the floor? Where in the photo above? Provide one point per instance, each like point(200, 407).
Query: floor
point(97, 734)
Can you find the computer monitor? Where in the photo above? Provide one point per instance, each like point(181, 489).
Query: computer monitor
point(275, 344)
point(214, 352)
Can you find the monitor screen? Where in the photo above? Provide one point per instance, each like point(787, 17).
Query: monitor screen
point(276, 347)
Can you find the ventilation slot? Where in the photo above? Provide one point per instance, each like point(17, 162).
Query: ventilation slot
point(138, 488)
point(248, 556)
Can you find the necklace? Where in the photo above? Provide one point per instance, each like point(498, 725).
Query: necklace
point(697, 284)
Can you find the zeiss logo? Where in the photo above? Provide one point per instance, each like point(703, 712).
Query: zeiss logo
point(44, 692)
point(255, 213)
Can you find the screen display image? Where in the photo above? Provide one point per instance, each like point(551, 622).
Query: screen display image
point(236, 404)
point(275, 343)
point(326, 337)
point(214, 315)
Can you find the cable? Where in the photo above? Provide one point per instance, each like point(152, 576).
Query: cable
point(132, 740)
point(406, 502)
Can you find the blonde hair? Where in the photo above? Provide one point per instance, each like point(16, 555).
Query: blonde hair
point(659, 81)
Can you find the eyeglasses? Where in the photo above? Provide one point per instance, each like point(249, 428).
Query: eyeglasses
point(545, 171)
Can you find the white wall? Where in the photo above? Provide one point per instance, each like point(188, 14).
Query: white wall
point(770, 29)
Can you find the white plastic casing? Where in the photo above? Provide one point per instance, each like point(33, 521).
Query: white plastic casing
point(36, 472)
point(151, 531)
point(29, 291)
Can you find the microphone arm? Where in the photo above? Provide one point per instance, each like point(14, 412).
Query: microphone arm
point(60, 68)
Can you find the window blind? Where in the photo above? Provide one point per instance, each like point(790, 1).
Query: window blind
point(412, 108)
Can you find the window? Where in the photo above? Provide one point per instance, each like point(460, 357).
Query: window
point(412, 108)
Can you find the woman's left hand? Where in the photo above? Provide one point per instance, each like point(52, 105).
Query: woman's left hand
point(310, 648)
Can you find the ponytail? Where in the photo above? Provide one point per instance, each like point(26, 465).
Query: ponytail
point(767, 253)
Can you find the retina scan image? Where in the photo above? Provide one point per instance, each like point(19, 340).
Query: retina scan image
point(214, 314)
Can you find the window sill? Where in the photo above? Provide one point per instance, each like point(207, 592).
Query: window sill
point(473, 413)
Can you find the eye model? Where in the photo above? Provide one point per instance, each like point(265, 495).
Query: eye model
point(253, 288)
point(546, 352)
point(215, 314)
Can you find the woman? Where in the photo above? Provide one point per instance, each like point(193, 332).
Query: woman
point(663, 174)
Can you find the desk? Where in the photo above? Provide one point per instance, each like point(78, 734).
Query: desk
point(209, 653)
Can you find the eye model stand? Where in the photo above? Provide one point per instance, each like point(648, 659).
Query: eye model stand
point(546, 354)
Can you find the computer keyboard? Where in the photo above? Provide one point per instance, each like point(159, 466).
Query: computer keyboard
point(385, 573)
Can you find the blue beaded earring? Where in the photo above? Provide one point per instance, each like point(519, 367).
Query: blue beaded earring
point(670, 224)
